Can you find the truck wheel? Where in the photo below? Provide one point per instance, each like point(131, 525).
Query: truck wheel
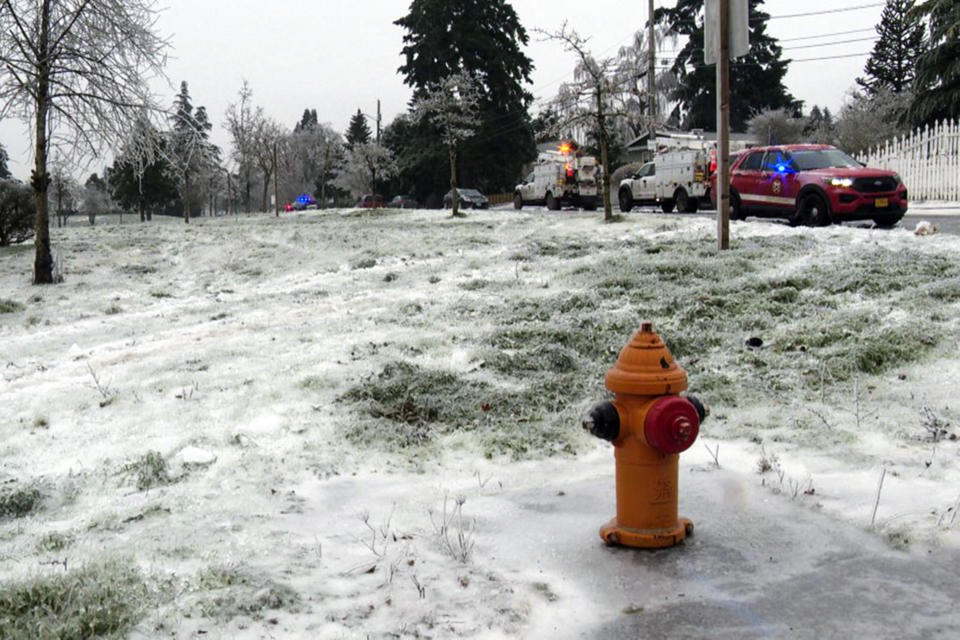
point(693, 205)
point(666, 206)
point(589, 204)
point(552, 203)
point(626, 201)
point(517, 201)
point(682, 200)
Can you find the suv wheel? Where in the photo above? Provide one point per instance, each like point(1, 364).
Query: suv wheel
point(736, 207)
point(812, 210)
point(517, 201)
point(626, 201)
point(888, 222)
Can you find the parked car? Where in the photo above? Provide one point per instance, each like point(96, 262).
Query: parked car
point(467, 199)
point(403, 202)
point(812, 184)
point(370, 201)
point(304, 201)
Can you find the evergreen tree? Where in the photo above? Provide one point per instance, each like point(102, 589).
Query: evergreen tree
point(485, 39)
point(152, 192)
point(756, 79)
point(191, 154)
point(893, 62)
point(358, 132)
point(307, 121)
point(4, 158)
point(938, 72)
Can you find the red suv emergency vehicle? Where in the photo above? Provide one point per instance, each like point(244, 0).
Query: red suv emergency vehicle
point(812, 184)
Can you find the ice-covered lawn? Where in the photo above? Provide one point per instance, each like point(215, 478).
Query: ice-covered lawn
point(261, 427)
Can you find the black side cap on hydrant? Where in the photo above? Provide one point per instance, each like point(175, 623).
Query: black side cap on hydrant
point(603, 421)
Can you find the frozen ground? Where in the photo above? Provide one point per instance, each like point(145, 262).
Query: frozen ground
point(348, 424)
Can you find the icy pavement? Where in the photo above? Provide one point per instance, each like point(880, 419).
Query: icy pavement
point(758, 566)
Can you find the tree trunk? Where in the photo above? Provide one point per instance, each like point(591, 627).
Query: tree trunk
point(186, 198)
point(604, 157)
point(453, 183)
point(141, 202)
point(40, 181)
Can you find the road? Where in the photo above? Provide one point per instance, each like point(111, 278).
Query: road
point(945, 215)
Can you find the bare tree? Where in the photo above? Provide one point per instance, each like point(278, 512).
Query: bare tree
point(314, 152)
point(630, 90)
point(243, 121)
point(64, 190)
point(78, 71)
point(267, 133)
point(588, 100)
point(452, 105)
point(361, 164)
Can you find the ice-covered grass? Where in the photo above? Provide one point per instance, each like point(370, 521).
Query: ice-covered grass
point(269, 414)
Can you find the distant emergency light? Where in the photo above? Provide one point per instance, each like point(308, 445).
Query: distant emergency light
point(564, 148)
point(569, 170)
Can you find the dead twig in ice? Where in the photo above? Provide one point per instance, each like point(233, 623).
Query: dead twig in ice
point(883, 474)
point(714, 453)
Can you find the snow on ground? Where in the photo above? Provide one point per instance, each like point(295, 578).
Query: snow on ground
point(290, 427)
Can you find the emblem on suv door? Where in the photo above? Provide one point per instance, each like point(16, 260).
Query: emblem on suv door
point(776, 186)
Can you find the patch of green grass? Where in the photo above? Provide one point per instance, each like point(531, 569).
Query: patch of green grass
point(19, 502)
point(150, 470)
point(230, 591)
point(474, 285)
point(54, 541)
point(10, 306)
point(946, 291)
point(96, 601)
point(364, 263)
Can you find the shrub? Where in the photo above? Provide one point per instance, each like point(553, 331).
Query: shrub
point(16, 503)
point(17, 213)
point(103, 600)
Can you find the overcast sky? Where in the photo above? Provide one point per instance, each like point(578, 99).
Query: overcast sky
point(336, 56)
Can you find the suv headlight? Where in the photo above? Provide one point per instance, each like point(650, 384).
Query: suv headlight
point(839, 182)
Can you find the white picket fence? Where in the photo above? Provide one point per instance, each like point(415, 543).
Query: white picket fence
point(928, 161)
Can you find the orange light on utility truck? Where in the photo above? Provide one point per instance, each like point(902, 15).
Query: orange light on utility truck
point(649, 424)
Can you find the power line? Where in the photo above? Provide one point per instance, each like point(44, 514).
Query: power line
point(827, 35)
point(820, 13)
point(829, 44)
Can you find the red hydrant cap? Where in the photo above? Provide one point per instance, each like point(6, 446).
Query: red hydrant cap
point(646, 367)
point(671, 425)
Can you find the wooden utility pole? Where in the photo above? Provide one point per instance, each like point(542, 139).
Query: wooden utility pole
point(276, 194)
point(651, 70)
point(378, 121)
point(723, 126)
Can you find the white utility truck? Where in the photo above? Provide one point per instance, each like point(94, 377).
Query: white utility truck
point(560, 178)
point(679, 176)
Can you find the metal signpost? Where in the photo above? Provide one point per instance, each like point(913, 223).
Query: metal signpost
point(726, 36)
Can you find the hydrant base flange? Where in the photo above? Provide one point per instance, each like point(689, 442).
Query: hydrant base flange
point(614, 534)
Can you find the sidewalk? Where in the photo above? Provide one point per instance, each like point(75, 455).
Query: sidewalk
point(758, 566)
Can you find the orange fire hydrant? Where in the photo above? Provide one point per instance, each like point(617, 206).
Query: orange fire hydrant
point(649, 425)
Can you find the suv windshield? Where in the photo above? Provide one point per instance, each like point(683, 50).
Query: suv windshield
point(808, 160)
